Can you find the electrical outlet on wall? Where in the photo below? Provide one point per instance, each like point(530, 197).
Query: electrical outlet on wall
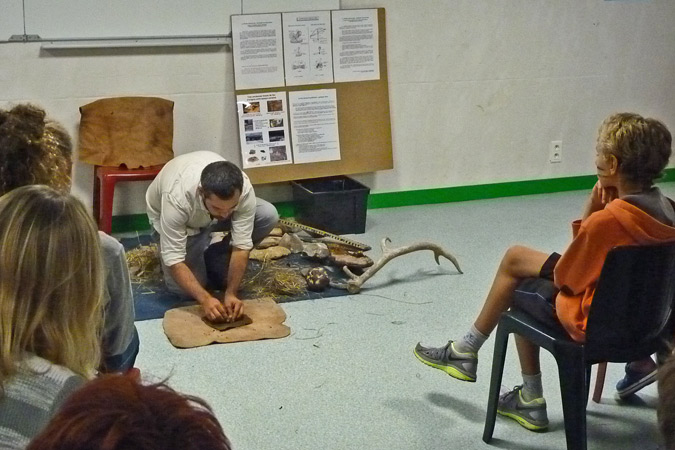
point(555, 152)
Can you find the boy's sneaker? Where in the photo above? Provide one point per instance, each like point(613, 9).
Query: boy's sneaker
point(531, 415)
point(458, 365)
point(633, 381)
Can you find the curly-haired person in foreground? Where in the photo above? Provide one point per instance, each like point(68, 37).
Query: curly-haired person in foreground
point(117, 412)
point(35, 150)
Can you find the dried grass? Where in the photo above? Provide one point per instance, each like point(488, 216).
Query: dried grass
point(143, 264)
point(275, 280)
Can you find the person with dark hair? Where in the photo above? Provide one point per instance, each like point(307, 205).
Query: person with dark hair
point(194, 195)
point(118, 412)
point(624, 208)
point(37, 150)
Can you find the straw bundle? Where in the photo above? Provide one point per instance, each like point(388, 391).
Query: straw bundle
point(143, 264)
point(275, 280)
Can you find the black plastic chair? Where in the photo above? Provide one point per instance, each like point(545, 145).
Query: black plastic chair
point(629, 320)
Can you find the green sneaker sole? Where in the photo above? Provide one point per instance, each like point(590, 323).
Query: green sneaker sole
point(453, 372)
point(523, 422)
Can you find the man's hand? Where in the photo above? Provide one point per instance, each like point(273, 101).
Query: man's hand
point(234, 307)
point(214, 310)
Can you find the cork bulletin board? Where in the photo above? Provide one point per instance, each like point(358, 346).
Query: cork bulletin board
point(364, 126)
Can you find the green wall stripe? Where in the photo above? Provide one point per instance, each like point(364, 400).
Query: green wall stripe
point(139, 222)
point(130, 223)
point(483, 191)
point(285, 209)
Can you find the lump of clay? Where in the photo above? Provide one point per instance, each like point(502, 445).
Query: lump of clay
point(277, 232)
point(269, 253)
point(356, 262)
point(222, 326)
point(292, 242)
point(315, 251)
point(269, 241)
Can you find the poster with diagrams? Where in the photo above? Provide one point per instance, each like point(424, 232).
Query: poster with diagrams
point(312, 92)
point(257, 47)
point(307, 47)
point(314, 125)
point(263, 129)
point(355, 45)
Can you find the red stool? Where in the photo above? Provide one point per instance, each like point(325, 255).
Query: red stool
point(105, 179)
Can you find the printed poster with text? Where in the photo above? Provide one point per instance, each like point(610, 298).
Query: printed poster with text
point(263, 129)
point(257, 47)
point(307, 48)
point(314, 126)
point(356, 55)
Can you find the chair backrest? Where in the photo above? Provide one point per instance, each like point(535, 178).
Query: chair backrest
point(131, 131)
point(631, 311)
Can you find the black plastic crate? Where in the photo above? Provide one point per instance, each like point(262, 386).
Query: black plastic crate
point(334, 204)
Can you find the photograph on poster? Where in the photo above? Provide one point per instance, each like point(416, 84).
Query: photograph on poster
point(276, 136)
point(278, 153)
point(250, 108)
point(254, 137)
point(275, 105)
point(263, 119)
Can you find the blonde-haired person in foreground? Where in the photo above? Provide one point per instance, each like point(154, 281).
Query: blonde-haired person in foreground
point(37, 150)
point(50, 307)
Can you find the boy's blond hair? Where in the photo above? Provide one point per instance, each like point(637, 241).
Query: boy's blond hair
point(642, 146)
point(50, 281)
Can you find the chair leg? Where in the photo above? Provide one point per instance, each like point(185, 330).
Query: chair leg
point(499, 356)
point(106, 207)
point(599, 381)
point(572, 374)
point(96, 198)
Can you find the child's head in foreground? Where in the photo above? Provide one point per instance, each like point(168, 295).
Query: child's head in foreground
point(118, 412)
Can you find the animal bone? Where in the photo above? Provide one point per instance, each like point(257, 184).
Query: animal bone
point(355, 282)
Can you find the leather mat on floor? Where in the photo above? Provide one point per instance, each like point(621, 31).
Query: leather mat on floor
point(185, 328)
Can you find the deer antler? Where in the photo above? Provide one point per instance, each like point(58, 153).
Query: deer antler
point(355, 282)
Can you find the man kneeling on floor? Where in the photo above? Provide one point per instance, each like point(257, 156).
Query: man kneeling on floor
point(194, 195)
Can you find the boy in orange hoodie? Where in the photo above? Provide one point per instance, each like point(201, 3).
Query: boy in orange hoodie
point(624, 208)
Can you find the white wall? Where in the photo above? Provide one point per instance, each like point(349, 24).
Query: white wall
point(478, 89)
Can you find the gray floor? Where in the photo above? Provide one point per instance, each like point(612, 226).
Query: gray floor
point(346, 377)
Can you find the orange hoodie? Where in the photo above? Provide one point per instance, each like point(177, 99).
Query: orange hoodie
point(577, 272)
